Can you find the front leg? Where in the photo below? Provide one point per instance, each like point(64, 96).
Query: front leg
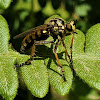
point(59, 64)
point(65, 49)
point(71, 47)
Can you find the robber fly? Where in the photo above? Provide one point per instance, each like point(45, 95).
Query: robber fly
point(57, 28)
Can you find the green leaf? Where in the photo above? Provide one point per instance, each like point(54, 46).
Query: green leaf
point(87, 65)
point(44, 67)
point(4, 35)
point(48, 9)
point(93, 40)
point(78, 44)
point(36, 77)
point(53, 16)
point(56, 81)
point(87, 68)
point(83, 9)
point(8, 76)
point(4, 4)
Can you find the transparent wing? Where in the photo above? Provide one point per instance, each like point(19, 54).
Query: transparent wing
point(22, 35)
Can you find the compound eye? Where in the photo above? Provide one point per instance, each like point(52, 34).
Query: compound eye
point(69, 27)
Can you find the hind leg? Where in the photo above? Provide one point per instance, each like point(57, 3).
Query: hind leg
point(33, 52)
point(31, 57)
point(29, 60)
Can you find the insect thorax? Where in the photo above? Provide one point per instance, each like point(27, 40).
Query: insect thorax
point(58, 26)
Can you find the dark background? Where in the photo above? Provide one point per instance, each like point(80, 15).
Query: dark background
point(25, 14)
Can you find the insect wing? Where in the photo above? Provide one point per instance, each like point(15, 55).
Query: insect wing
point(22, 35)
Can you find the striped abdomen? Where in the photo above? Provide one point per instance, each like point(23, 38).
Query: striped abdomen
point(38, 34)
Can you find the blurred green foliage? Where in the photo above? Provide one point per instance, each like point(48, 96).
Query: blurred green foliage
point(25, 14)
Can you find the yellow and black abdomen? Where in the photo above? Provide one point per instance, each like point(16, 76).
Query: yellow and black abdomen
point(36, 35)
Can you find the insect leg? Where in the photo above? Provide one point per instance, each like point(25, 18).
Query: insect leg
point(31, 57)
point(33, 52)
point(65, 49)
point(71, 54)
point(43, 42)
point(71, 47)
point(56, 56)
